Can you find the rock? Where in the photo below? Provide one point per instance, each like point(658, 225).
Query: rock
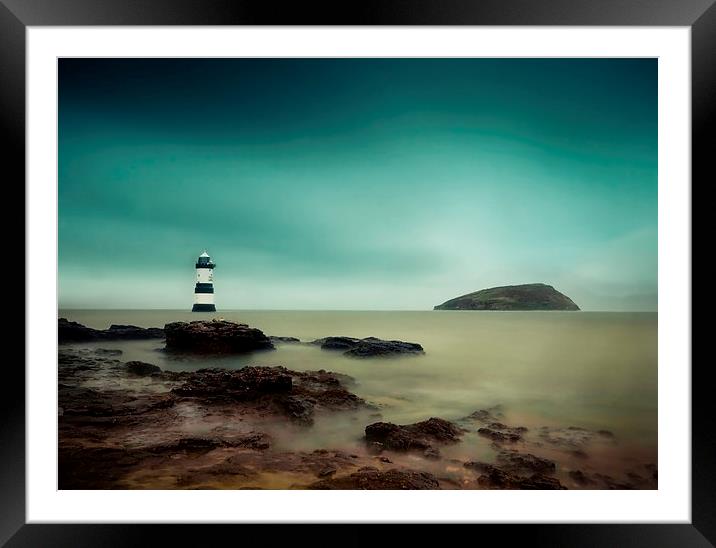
point(107, 352)
point(371, 478)
point(574, 439)
point(251, 440)
point(275, 339)
point(499, 479)
point(272, 390)
point(241, 385)
point(122, 332)
point(214, 337)
point(368, 347)
point(337, 343)
point(483, 467)
point(580, 477)
point(500, 432)
point(329, 377)
point(611, 483)
point(298, 409)
point(540, 482)
point(418, 436)
point(514, 461)
point(68, 332)
point(431, 453)
point(512, 297)
point(493, 414)
point(142, 369)
point(371, 347)
point(328, 471)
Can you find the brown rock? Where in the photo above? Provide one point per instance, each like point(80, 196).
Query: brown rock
point(214, 337)
point(371, 478)
point(68, 331)
point(420, 435)
point(142, 369)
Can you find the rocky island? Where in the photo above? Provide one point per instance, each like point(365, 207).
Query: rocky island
point(512, 297)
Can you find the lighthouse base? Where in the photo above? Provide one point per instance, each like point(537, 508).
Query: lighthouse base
point(203, 308)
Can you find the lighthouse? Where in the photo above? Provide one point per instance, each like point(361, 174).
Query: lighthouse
point(204, 289)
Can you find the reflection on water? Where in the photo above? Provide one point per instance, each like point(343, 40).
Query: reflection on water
point(590, 369)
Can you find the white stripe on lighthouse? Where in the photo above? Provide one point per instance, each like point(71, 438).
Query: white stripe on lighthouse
point(203, 298)
point(204, 275)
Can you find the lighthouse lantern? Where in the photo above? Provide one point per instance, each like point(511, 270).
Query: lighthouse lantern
point(204, 289)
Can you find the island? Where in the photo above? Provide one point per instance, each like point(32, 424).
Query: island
point(512, 297)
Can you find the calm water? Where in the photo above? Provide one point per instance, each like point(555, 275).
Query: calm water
point(595, 370)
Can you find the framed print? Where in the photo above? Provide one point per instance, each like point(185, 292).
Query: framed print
point(400, 266)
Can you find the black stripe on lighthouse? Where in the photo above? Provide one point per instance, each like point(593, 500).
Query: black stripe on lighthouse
point(204, 288)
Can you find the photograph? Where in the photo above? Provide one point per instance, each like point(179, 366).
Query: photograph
point(351, 273)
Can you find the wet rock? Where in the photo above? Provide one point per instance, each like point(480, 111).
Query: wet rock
point(371, 478)
point(611, 483)
point(573, 439)
point(337, 343)
point(480, 466)
point(420, 436)
point(197, 430)
point(270, 390)
point(130, 332)
point(322, 376)
point(368, 347)
point(328, 471)
point(214, 337)
point(107, 352)
point(240, 385)
point(142, 369)
point(492, 414)
point(431, 453)
point(540, 482)
point(514, 461)
point(251, 440)
point(95, 467)
point(500, 479)
point(68, 332)
point(496, 478)
point(500, 432)
point(580, 477)
point(298, 409)
point(276, 339)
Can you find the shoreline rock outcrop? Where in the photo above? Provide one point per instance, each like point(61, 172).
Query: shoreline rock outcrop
point(368, 347)
point(215, 337)
point(417, 436)
point(372, 478)
point(125, 425)
point(69, 332)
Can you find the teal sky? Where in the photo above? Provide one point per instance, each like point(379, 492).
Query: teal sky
point(356, 183)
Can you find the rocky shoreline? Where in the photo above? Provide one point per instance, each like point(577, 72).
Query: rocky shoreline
point(225, 337)
point(132, 425)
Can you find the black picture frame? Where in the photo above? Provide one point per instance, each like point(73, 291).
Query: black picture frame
point(16, 15)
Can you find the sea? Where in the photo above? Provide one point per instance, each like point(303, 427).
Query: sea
point(595, 371)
